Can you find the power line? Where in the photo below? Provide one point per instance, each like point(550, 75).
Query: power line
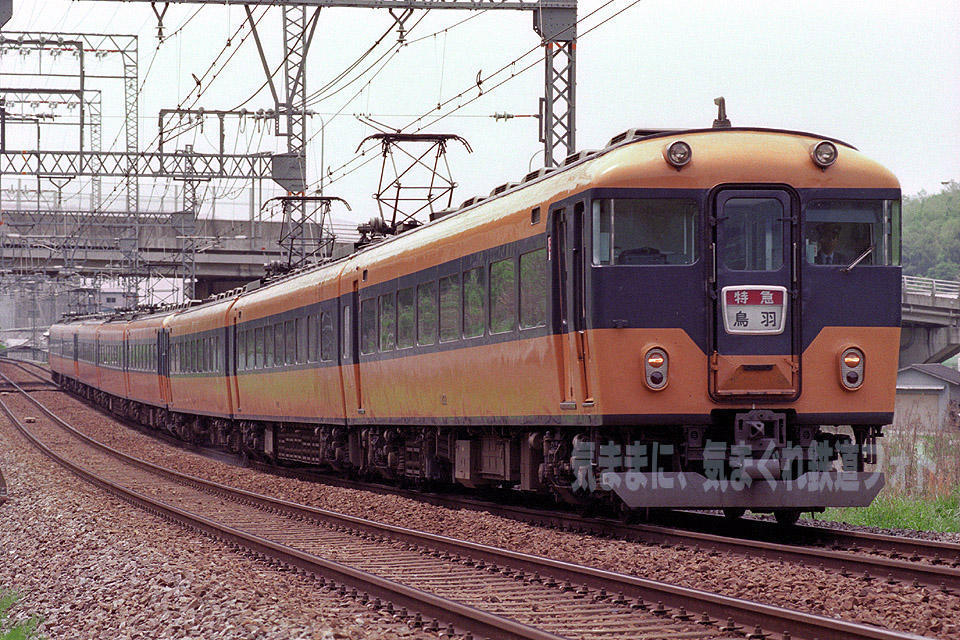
point(346, 166)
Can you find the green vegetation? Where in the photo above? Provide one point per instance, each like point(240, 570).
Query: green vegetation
point(922, 473)
point(931, 234)
point(903, 512)
point(10, 630)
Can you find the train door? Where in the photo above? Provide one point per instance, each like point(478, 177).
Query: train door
point(755, 323)
point(163, 364)
point(350, 350)
point(231, 355)
point(125, 362)
point(569, 273)
point(76, 355)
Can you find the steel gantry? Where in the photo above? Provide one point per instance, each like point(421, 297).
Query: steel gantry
point(553, 20)
point(81, 46)
point(99, 44)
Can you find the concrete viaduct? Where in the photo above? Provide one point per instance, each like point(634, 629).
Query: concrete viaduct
point(931, 320)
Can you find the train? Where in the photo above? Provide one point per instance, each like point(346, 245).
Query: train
point(703, 318)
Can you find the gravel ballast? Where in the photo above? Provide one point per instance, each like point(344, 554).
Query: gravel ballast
point(92, 566)
point(897, 606)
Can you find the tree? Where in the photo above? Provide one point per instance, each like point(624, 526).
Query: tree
point(931, 234)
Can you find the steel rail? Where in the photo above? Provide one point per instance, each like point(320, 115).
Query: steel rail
point(462, 616)
point(933, 575)
point(690, 534)
point(19, 364)
point(785, 621)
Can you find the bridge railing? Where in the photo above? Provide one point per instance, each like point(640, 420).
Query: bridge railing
point(931, 287)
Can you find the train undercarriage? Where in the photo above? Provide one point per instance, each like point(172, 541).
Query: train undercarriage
point(761, 460)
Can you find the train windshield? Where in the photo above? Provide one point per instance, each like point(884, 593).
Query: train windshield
point(837, 232)
point(644, 231)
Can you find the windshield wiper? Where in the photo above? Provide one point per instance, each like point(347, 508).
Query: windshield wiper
point(859, 259)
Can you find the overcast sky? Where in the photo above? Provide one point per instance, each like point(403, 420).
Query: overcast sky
point(883, 76)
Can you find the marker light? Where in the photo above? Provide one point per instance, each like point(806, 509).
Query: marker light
point(852, 359)
point(824, 153)
point(678, 154)
point(655, 366)
point(851, 369)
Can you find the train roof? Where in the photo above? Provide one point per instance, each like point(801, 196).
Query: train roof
point(633, 158)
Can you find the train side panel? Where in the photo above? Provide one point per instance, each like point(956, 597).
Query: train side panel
point(286, 351)
point(145, 383)
point(112, 377)
point(200, 384)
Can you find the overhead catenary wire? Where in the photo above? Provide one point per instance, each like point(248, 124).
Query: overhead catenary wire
point(346, 167)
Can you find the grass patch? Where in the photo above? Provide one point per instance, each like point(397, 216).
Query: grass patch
point(15, 630)
point(922, 469)
point(921, 513)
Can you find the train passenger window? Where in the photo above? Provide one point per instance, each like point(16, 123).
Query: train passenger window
point(388, 322)
point(313, 338)
point(242, 351)
point(278, 344)
point(368, 325)
point(427, 313)
point(533, 289)
point(837, 232)
point(406, 318)
point(251, 349)
point(327, 341)
point(644, 231)
point(290, 332)
point(301, 339)
point(474, 297)
point(754, 231)
point(258, 344)
point(268, 346)
point(450, 308)
point(503, 296)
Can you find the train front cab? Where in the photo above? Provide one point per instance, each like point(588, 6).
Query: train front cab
point(709, 343)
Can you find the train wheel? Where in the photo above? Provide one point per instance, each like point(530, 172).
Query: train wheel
point(787, 517)
point(734, 513)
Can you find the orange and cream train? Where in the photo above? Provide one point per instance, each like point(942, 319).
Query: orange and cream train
point(668, 322)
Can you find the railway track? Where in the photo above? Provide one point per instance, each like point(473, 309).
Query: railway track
point(869, 556)
point(695, 529)
point(437, 583)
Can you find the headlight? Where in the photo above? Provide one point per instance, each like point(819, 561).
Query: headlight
point(655, 367)
point(851, 368)
point(678, 154)
point(824, 154)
